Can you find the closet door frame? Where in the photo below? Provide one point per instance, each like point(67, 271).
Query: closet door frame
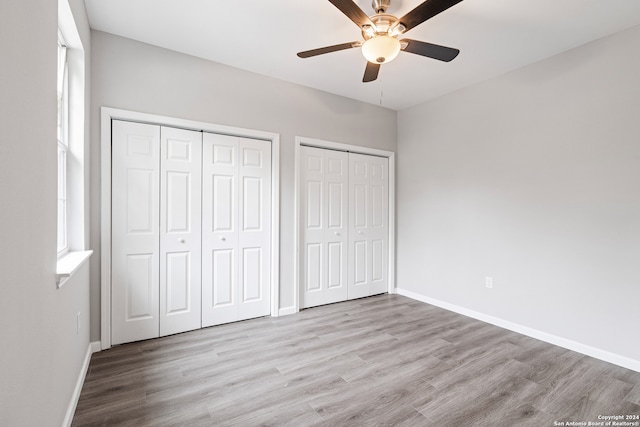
point(108, 114)
point(390, 155)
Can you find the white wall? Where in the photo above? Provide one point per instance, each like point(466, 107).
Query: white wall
point(135, 76)
point(532, 178)
point(41, 355)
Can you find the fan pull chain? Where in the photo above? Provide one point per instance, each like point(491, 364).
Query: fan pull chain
point(381, 93)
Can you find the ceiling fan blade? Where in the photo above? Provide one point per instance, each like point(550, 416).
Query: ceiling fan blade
point(441, 53)
point(371, 72)
point(426, 10)
point(327, 49)
point(353, 12)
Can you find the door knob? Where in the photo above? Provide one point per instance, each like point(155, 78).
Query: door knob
point(223, 238)
point(182, 240)
point(361, 232)
point(336, 233)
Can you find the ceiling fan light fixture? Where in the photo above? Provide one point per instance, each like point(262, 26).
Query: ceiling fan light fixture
point(396, 29)
point(381, 49)
point(368, 31)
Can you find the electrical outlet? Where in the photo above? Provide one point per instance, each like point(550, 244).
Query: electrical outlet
point(78, 324)
point(488, 282)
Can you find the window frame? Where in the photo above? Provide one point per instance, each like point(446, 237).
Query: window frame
point(76, 133)
point(62, 245)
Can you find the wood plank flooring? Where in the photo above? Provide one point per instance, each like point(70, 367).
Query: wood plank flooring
point(385, 360)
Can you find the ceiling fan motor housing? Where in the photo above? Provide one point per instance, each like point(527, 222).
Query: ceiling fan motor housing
point(380, 6)
point(382, 22)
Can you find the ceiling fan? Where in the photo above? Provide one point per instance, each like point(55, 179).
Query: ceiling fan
point(381, 32)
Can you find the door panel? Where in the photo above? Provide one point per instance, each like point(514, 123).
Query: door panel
point(379, 220)
point(324, 213)
point(334, 264)
point(254, 231)
point(252, 275)
point(178, 279)
point(359, 167)
point(223, 203)
point(368, 225)
point(135, 232)
point(377, 262)
point(360, 262)
point(220, 235)
point(236, 240)
point(336, 206)
point(378, 212)
point(314, 204)
point(223, 267)
point(140, 187)
point(180, 230)
point(359, 205)
point(252, 212)
point(178, 202)
point(140, 287)
point(252, 158)
point(314, 267)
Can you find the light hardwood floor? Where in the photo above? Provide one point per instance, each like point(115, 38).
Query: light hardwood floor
point(384, 360)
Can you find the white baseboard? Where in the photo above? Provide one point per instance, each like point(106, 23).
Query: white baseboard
point(71, 409)
point(607, 356)
point(287, 311)
point(95, 346)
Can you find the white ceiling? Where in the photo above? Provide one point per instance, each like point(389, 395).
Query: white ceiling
point(263, 36)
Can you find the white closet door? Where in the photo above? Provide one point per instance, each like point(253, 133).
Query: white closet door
point(236, 234)
point(180, 230)
point(219, 229)
point(254, 239)
point(135, 232)
point(324, 217)
point(368, 225)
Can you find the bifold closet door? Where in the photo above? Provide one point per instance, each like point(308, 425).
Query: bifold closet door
point(155, 266)
point(180, 230)
point(368, 225)
point(324, 195)
point(135, 228)
point(236, 229)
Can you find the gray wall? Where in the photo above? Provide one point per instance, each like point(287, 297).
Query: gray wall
point(41, 355)
point(531, 178)
point(135, 76)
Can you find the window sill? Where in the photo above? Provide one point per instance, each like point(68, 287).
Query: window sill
point(69, 264)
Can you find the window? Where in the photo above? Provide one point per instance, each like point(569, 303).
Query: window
point(63, 144)
point(72, 162)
